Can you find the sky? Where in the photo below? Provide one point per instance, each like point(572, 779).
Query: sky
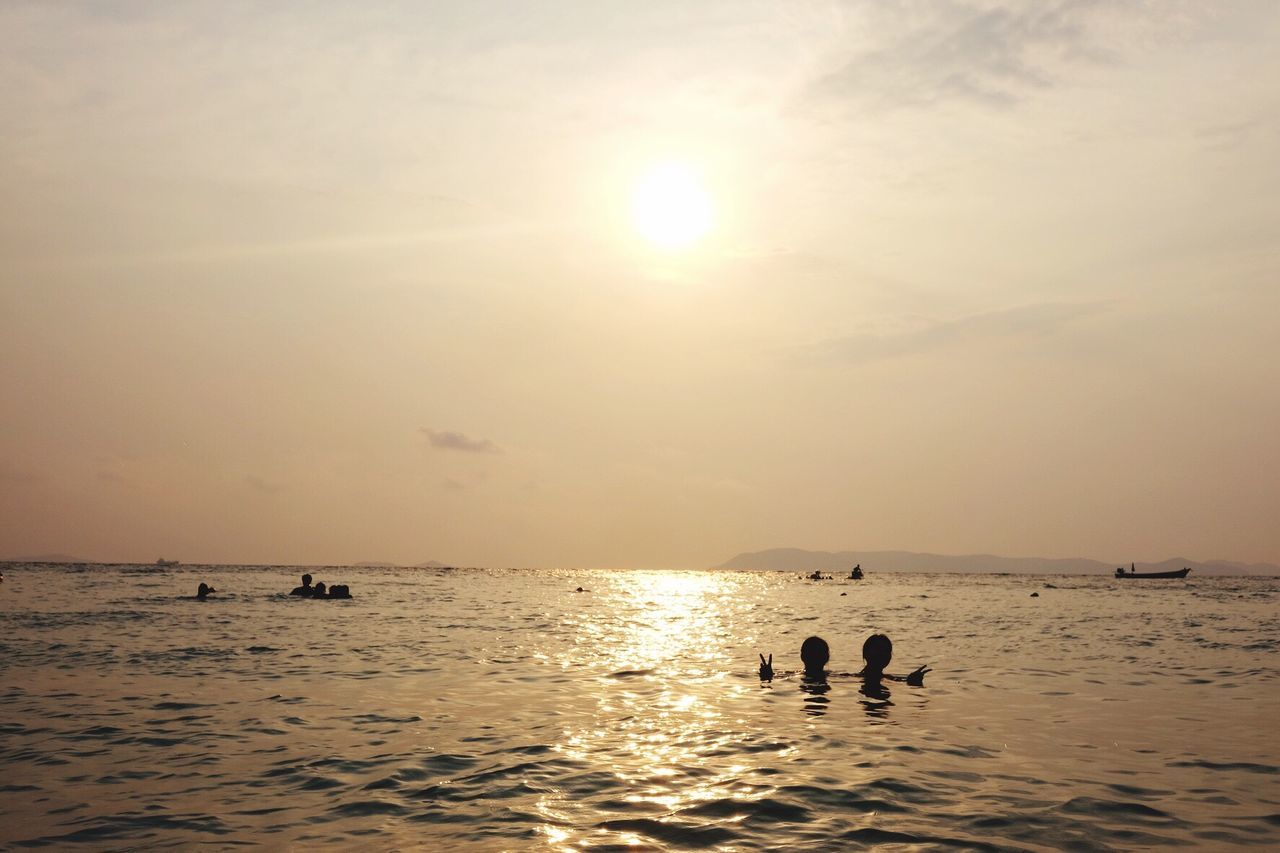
point(328, 282)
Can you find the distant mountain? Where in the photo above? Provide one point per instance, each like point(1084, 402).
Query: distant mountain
point(46, 558)
point(800, 560)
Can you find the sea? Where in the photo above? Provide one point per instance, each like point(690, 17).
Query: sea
point(494, 709)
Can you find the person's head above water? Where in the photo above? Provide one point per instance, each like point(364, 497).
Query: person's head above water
point(877, 651)
point(203, 590)
point(306, 580)
point(815, 653)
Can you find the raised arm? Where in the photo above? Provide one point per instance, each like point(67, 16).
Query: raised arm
point(766, 668)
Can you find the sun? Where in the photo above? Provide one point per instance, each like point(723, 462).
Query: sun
point(671, 207)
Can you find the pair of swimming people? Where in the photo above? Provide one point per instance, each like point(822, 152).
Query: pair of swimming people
point(877, 652)
point(338, 590)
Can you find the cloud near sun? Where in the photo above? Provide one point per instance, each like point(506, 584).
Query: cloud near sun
point(449, 440)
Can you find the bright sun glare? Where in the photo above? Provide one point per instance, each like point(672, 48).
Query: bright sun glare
point(670, 206)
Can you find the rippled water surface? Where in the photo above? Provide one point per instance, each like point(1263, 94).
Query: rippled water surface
point(502, 710)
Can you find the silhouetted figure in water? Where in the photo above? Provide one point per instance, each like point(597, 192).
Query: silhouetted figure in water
point(339, 590)
point(306, 589)
point(319, 590)
point(814, 653)
point(203, 591)
point(877, 652)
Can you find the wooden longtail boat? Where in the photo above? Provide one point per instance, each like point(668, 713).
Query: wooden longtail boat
point(1131, 574)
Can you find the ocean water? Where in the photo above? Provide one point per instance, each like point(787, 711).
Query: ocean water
point(502, 710)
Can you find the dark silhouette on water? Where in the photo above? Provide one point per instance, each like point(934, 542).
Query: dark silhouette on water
point(877, 652)
point(1133, 573)
point(306, 589)
point(814, 653)
point(339, 590)
point(856, 574)
point(203, 591)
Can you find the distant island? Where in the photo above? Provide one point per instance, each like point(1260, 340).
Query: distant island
point(800, 560)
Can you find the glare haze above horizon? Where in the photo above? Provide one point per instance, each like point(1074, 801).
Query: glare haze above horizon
point(639, 286)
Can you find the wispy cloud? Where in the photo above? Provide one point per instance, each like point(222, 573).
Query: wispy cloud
point(1026, 320)
point(450, 440)
point(258, 484)
point(991, 53)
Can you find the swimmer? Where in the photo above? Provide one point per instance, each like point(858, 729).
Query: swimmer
point(203, 592)
point(339, 590)
point(814, 653)
point(305, 589)
point(877, 651)
point(319, 590)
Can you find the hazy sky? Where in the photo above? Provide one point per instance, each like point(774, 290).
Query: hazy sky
point(323, 282)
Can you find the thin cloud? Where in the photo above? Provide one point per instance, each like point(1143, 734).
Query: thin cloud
point(258, 484)
point(1026, 320)
point(450, 440)
point(990, 54)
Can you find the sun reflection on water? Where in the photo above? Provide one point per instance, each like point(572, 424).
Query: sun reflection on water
point(660, 686)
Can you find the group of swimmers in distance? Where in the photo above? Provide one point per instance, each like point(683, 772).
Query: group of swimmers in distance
point(877, 652)
point(338, 590)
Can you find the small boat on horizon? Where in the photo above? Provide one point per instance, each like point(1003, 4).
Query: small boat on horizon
point(1133, 573)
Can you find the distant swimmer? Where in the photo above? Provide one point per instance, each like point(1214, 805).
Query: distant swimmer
point(339, 590)
point(203, 592)
point(877, 652)
point(319, 590)
point(306, 589)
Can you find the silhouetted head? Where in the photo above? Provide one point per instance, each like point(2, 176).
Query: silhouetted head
point(306, 580)
point(877, 651)
point(815, 653)
point(320, 589)
point(204, 590)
